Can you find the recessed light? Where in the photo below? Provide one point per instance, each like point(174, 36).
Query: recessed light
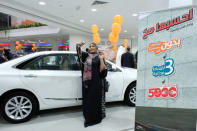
point(93, 10)
point(82, 20)
point(135, 14)
point(125, 31)
point(42, 3)
point(102, 29)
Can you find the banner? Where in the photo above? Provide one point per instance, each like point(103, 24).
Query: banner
point(167, 71)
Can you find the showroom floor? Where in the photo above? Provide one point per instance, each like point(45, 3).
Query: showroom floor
point(119, 118)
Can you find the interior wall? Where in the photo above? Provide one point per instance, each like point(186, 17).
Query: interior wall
point(134, 45)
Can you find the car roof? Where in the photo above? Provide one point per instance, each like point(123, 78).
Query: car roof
point(29, 56)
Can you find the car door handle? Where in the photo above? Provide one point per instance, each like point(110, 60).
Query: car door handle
point(30, 76)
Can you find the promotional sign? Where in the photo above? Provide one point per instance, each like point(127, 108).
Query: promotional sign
point(159, 47)
point(166, 91)
point(167, 71)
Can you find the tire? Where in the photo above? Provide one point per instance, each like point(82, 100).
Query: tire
point(130, 95)
point(18, 107)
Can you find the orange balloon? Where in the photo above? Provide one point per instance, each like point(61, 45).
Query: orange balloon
point(97, 40)
point(94, 29)
point(116, 28)
point(20, 46)
point(96, 35)
point(113, 39)
point(125, 41)
point(114, 48)
point(34, 48)
point(17, 43)
point(118, 19)
point(34, 45)
point(17, 47)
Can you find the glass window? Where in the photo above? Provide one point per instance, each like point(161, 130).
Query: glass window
point(74, 62)
point(49, 62)
point(52, 62)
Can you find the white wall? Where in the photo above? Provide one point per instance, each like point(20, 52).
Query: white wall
point(76, 38)
point(134, 46)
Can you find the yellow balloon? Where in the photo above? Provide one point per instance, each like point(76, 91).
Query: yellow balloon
point(94, 29)
point(118, 19)
point(116, 28)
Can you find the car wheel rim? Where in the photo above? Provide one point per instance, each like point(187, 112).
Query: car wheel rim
point(132, 95)
point(18, 108)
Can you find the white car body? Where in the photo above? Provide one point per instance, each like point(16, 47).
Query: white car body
point(59, 88)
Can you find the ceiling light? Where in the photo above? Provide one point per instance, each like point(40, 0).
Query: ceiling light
point(42, 3)
point(134, 14)
point(93, 10)
point(101, 29)
point(125, 31)
point(82, 20)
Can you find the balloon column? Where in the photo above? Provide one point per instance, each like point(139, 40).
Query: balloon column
point(125, 43)
point(34, 48)
point(115, 30)
point(18, 45)
point(96, 37)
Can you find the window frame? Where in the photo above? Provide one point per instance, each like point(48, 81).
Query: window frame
point(33, 59)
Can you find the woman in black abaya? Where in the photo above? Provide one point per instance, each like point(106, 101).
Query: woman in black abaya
point(93, 72)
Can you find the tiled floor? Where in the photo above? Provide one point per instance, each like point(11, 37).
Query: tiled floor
point(119, 118)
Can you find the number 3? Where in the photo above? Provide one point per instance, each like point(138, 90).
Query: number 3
point(169, 67)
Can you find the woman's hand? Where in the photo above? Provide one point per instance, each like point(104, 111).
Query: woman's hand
point(102, 65)
point(80, 44)
point(101, 55)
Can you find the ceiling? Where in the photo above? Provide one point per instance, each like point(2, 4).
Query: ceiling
point(68, 13)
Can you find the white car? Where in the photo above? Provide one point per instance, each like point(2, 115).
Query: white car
point(52, 79)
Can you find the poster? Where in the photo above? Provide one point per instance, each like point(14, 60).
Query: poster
point(167, 71)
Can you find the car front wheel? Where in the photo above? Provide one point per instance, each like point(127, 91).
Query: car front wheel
point(130, 95)
point(18, 107)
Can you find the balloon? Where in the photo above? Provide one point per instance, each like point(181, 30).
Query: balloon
point(125, 41)
point(116, 28)
point(97, 40)
point(17, 43)
point(113, 39)
point(34, 45)
point(17, 47)
point(94, 29)
point(96, 35)
point(114, 48)
point(118, 19)
point(34, 48)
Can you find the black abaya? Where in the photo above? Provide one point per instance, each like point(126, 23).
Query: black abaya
point(92, 95)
